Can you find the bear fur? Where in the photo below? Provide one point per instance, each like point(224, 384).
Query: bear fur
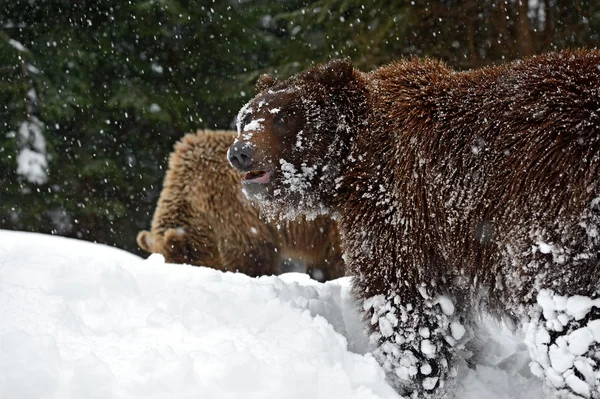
point(455, 193)
point(202, 218)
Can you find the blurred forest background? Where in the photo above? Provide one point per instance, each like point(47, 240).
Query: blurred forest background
point(95, 93)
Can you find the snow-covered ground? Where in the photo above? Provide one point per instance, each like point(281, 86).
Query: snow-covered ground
point(82, 320)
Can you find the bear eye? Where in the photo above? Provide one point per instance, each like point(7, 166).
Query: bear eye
point(285, 122)
point(245, 120)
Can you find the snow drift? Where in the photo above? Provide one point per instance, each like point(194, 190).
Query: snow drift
point(82, 320)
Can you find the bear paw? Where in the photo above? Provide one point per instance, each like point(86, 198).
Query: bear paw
point(413, 375)
point(565, 345)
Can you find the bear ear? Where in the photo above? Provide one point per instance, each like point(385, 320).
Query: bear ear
point(335, 73)
point(145, 240)
point(177, 247)
point(265, 82)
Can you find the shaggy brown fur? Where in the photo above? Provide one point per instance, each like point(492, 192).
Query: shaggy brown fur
point(202, 218)
point(455, 192)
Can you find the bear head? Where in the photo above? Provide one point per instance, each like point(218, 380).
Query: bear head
point(292, 136)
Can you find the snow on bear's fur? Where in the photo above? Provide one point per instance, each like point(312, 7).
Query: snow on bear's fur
point(455, 193)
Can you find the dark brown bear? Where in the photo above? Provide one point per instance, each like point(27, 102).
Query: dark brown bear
point(455, 192)
point(202, 218)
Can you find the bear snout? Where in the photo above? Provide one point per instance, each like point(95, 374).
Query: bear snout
point(240, 156)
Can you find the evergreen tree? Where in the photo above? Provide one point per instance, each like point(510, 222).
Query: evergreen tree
point(109, 86)
point(95, 92)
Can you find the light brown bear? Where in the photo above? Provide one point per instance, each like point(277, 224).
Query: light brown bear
point(456, 193)
point(202, 218)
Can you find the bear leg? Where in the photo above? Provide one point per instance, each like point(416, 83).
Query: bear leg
point(417, 342)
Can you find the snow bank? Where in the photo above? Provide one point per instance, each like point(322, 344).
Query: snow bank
point(82, 320)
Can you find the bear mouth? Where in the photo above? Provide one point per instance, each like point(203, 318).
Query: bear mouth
point(257, 177)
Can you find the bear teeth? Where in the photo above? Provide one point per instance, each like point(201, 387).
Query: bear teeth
point(254, 174)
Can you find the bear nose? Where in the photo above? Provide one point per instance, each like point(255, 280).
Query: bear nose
point(240, 156)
